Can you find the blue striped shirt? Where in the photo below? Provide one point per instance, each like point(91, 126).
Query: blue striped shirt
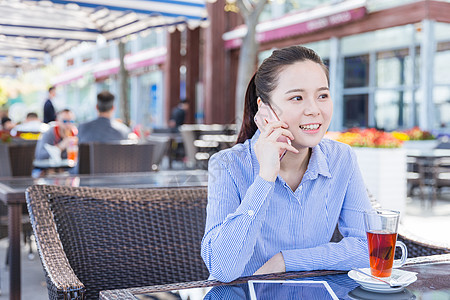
point(250, 219)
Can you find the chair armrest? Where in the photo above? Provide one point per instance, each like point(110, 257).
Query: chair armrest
point(418, 247)
point(62, 283)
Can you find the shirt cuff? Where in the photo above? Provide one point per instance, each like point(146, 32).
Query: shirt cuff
point(300, 260)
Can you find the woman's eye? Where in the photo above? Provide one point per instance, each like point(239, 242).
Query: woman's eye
point(297, 98)
point(323, 96)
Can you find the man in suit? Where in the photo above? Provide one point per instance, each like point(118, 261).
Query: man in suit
point(49, 109)
point(103, 129)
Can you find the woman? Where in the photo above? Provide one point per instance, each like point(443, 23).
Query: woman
point(267, 215)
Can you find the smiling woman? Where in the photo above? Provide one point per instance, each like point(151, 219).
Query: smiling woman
point(268, 215)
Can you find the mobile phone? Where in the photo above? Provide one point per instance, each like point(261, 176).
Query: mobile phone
point(264, 116)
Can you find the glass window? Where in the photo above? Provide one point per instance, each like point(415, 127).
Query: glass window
point(356, 71)
point(442, 67)
point(149, 41)
point(390, 110)
point(441, 96)
point(356, 110)
point(391, 68)
point(384, 39)
point(104, 53)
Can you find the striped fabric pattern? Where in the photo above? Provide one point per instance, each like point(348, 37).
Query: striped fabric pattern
point(249, 219)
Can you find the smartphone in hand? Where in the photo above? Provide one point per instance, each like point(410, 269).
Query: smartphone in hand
point(264, 116)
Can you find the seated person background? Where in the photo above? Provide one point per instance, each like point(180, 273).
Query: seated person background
point(57, 135)
point(103, 129)
point(31, 124)
point(7, 124)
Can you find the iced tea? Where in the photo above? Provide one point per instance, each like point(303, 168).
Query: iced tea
point(381, 252)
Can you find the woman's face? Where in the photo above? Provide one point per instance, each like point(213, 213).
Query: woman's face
point(302, 100)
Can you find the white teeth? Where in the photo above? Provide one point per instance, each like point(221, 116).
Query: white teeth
point(309, 127)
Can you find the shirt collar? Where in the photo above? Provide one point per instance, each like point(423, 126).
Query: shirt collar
point(318, 163)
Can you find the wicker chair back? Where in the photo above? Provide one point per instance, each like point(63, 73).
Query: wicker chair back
point(120, 158)
point(93, 239)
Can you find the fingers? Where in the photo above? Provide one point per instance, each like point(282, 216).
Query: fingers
point(274, 130)
point(287, 147)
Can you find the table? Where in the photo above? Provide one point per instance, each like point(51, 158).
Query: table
point(433, 282)
point(12, 192)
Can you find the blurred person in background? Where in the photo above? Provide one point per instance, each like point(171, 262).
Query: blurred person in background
point(7, 124)
point(178, 114)
point(49, 109)
point(59, 135)
point(32, 123)
point(103, 128)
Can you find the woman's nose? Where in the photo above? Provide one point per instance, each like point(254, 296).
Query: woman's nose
point(311, 109)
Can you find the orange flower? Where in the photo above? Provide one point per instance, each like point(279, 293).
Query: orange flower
point(371, 137)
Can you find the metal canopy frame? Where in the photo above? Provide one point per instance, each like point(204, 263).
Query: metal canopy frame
point(31, 31)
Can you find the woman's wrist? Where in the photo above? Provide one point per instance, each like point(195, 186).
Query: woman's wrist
point(268, 176)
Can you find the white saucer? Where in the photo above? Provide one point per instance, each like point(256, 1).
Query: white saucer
point(374, 285)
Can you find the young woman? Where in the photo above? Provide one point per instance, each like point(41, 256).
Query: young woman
point(267, 215)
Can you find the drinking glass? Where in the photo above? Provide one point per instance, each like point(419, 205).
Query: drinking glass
point(381, 228)
point(72, 150)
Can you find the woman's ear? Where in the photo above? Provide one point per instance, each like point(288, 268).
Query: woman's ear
point(259, 102)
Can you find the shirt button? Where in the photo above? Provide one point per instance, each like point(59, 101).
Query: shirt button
point(250, 213)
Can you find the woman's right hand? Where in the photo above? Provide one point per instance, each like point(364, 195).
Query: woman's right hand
point(267, 149)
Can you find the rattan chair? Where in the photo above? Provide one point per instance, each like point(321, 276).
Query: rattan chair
point(93, 239)
point(21, 157)
point(120, 158)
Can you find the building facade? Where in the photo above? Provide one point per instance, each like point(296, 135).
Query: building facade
point(389, 63)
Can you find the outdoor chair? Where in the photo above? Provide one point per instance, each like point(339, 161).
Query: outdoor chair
point(93, 239)
point(84, 161)
point(161, 145)
point(442, 173)
point(120, 157)
point(17, 158)
point(198, 151)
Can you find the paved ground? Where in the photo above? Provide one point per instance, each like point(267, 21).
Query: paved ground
point(426, 222)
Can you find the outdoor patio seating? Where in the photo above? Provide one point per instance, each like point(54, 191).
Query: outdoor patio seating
point(198, 149)
point(99, 158)
point(162, 144)
point(17, 158)
point(93, 239)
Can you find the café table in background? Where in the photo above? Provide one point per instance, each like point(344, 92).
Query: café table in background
point(433, 282)
point(12, 192)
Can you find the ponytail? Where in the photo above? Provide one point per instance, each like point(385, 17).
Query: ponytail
point(248, 127)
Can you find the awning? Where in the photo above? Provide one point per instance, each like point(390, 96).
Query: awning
point(32, 31)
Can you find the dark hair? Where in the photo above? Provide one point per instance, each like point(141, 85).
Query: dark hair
point(32, 115)
point(265, 80)
point(65, 110)
point(105, 101)
point(51, 89)
point(5, 119)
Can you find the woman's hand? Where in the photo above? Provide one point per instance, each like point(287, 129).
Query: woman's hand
point(267, 149)
point(273, 265)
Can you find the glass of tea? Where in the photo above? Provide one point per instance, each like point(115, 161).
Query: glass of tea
point(381, 228)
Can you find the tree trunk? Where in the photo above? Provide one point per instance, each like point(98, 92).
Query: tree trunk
point(123, 84)
point(247, 56)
